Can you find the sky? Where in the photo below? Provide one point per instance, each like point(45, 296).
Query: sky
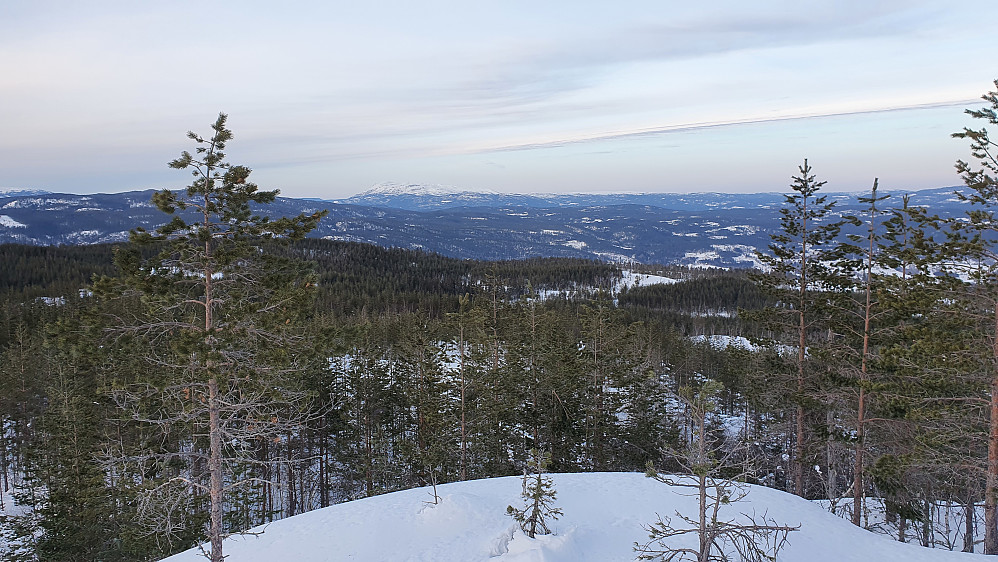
point(328, 98)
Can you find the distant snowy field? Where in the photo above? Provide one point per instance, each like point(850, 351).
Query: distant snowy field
point(603, 518)
point(10, 223)
point(630, 280)
point(723, 342)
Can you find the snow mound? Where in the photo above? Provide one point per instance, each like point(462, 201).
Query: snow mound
point(603, 518)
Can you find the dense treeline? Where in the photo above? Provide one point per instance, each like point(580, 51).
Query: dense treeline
point(353, 276)
point(27, 272)
point(722, 294)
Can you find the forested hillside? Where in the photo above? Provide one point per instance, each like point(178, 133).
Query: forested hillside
point(386, 407)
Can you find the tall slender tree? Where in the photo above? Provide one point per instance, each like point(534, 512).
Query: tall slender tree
point(856, 326)
point(219, 322)
point(975, 241)
point(798, 271)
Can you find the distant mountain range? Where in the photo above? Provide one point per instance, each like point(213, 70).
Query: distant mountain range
point(415, 197)
point(706, 229)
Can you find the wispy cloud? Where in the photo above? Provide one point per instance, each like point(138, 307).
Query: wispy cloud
point(686, 127)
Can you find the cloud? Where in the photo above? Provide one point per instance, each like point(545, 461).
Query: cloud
point(686, 127)
point(580, 59)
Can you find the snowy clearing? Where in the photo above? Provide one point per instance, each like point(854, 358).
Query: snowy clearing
point(630, 279)
point(8, 222)
point(722, 342)
point(603, 517)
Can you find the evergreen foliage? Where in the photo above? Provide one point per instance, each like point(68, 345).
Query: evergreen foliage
point(798, 279)
point(538, 497)
point(219, 322)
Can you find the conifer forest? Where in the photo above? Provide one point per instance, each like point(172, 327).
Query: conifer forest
point(225, 370)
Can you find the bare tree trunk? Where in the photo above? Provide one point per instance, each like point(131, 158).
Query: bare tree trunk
point(292, 501)
point(969, 520)
point(801, 356)
point(857, 475)
point(704, 555)
point(368, 454)
point(991, 483)
point(265, 494)
point(215, 471)
point(216, 476)
point(927, 523)
point(831, 474)
point(705, 542)
point(464, 434)
point(5, 485)
point(323, 483)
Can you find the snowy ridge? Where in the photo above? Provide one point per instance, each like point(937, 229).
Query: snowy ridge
point(603, 518)
point(704, 230)
point(13, 192)
point(438, 190)
point(432, 190)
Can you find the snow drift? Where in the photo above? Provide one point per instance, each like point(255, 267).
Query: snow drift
point(603, 518)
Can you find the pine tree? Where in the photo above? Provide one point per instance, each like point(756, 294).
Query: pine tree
point(975, 252)
point(220, 323)
point(855, 323)
point(797, 274)
point(538, 496)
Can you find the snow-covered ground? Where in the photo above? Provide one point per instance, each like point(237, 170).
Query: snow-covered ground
point(5, 220)
point(722, 342)
point(631, 279)
point(603, 518)
point(947, 529)
point(628, 280)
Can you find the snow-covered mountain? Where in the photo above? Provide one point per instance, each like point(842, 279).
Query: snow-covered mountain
point(13, 192)
point(418, 197)
point(603, 518)
point(415, 197)
point(705, 229)
point(417, 189)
